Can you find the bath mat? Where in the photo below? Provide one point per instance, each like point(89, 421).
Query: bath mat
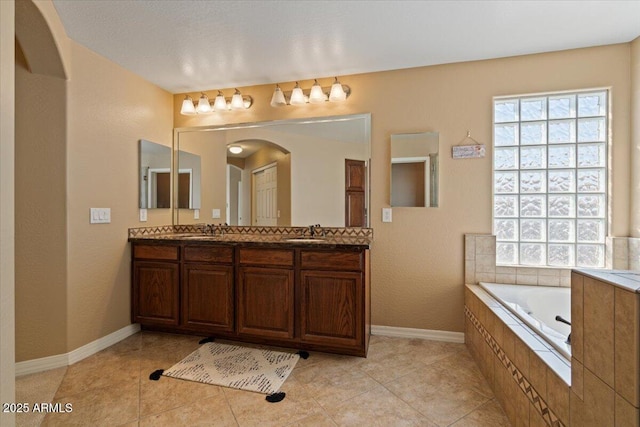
point(254, 369)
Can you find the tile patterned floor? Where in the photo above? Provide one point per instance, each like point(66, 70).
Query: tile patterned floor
point(403, 382)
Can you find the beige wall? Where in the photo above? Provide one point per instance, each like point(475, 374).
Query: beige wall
point(418, 260)
point(109, 111)
point(7, 252)
point(41, 223)
point(635, 139)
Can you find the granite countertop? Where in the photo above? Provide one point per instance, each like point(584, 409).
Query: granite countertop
point(263, 239)
point(625, 279)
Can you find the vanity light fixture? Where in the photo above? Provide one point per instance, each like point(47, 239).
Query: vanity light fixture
point(236, 102)
point(297, 96)
point(278, 99)
point(235, 149)
point(316, 95)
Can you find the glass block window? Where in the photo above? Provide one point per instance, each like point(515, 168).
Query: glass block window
point(550, 179)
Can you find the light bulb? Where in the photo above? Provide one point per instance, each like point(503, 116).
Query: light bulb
point(220, 104)
point(317, 96)
point(297, 96)
point(278, 99)
point(187, 106)
point(337, 92)
point(235, 149)
point(203, 105)
point(237, 103)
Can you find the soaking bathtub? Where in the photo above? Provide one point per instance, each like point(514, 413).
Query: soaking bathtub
point(538, 306)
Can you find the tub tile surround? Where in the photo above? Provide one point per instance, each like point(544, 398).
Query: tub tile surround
point(507, 357)
point(601, 384)
point(606, 357)
point(480, 266)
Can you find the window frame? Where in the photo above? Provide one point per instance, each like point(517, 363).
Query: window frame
point(606, 142)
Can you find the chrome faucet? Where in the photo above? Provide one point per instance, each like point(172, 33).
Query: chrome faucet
point(565, 321)
point(223, 228)
point(313, 230)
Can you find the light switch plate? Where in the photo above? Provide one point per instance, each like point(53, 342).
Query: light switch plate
point(143, 215)
point(215, 213)
point(386, 215)
point(196, 214)
point(100, 215)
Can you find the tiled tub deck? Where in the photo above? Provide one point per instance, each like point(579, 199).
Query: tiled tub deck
point(535, 384)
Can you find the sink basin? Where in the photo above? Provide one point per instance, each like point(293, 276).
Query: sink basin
point(305, 240)
point(194, 236)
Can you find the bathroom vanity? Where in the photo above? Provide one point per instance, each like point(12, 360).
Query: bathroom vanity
point(278, 287)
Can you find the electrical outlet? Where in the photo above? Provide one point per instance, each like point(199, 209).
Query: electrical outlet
point(386, 215)
point(215, 213)
point(196, 214)
point(143, 215)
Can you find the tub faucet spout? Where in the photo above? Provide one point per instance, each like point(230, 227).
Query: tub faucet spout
point(562, 320)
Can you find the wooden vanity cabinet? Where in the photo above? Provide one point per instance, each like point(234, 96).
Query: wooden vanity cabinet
point(266, 293)
point(156, 285)
point(316, 299)
point(334, 304)
point(207, 289)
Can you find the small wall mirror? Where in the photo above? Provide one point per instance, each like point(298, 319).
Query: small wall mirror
point(155, 175)
point(414, 169)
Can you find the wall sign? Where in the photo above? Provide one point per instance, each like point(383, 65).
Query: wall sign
point(468, 151)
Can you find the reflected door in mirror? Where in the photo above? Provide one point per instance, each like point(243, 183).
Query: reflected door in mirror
point(163, 190)
point(355, 193)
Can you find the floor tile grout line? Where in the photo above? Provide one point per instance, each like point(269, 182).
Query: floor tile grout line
point(226, 399)
point(471, 411)
point(411, 406)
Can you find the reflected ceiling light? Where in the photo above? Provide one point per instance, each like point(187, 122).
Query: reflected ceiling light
point(235, 149)
point(316, 95)
point(236, 102)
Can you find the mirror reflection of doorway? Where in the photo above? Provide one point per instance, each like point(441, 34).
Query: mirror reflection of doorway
point(265, 196)
point(234, 195)
point(355, 193)
point(162, 191)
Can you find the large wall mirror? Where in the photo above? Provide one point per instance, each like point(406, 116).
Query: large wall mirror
point(414, 169)
point(280, 173)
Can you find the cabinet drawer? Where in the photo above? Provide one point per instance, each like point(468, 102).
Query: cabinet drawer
point(259, 256)
point(156, 252)
point(320, 260)
point(208, 254)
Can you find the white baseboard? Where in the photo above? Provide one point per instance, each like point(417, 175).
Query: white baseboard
point(66, 359)
point(427, 334)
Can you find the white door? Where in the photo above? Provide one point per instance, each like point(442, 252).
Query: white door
point(266, 196)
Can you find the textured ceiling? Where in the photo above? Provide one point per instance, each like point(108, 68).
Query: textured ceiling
point(186, 46)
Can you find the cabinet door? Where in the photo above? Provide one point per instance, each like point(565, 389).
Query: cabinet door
point(207, 297)
point(155, 293)
point(332, 308)
point(265, 302)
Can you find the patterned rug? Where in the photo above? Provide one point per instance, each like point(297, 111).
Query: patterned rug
point(253, 369)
